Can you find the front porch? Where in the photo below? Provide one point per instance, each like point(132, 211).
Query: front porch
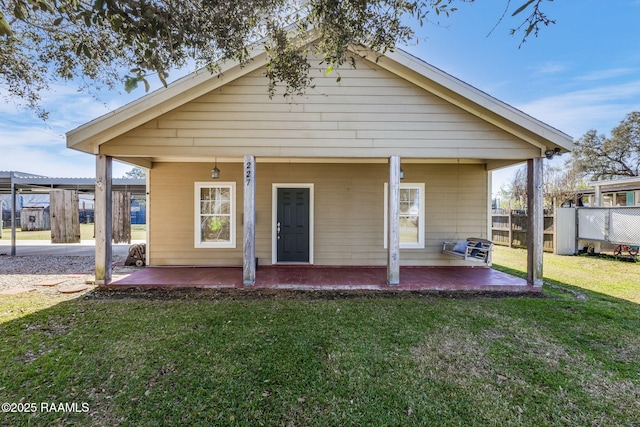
point(327, 278)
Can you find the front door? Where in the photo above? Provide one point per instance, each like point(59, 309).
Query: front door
point(292, 225)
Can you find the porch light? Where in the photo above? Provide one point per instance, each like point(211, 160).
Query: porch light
point(401, 173)
point(215, 172)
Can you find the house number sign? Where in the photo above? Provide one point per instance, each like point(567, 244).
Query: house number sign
point(247, 173)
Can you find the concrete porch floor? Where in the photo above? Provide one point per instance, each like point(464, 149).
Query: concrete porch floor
point(326, 278)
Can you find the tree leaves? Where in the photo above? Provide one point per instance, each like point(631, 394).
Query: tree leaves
point(98, 4)
point(5, 29)
point(534, 21)
point(523, 7)
point(611, 157)
point(97, 39)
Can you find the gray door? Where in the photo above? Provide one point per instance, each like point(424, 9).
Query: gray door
point(292, 226)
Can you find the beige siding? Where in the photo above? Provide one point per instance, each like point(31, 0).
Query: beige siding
point(349, 211)
point(369, 113)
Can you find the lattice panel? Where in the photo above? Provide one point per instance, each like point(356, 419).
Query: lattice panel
point(616, 225)
point(624, 226)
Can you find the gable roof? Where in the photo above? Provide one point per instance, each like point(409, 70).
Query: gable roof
point(88, 137)
point(474, 101)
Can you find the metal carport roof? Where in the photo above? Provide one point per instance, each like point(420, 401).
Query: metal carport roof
point(31, 183)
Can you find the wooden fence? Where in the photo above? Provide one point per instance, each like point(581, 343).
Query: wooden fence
point(509, 228)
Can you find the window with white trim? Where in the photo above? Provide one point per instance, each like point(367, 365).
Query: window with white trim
point(411, 215)
point(215, 221)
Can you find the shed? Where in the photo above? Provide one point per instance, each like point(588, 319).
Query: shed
point(35, 218)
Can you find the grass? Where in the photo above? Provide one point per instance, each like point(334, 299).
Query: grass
point(604, 275)
point(251, 358)
point(138, 232)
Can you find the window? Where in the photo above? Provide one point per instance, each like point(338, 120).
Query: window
point(215, 222)
point(411, 215)
point(621, 199)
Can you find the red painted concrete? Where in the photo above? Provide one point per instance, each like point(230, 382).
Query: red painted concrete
point(329, 278)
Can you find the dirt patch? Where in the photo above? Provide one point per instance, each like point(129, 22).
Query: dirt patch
point(258, 294)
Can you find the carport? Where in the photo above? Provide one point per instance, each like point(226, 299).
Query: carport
point(14, 183)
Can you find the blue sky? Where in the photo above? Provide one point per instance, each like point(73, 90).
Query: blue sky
point(581, 73)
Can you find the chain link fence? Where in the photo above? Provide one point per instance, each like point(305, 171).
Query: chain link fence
point(615, 225)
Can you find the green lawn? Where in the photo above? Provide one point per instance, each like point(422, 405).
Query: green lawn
point(609, 276)
point(256, 357)
point(138, 232)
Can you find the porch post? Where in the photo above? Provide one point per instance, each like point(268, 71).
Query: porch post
point(393, 225)
point(14, 199)
point(597, 247)
point(598, 196)
point(535, 222)
point(249, 243)
point(103, 219)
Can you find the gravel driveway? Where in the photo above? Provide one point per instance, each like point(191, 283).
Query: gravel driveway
point(47, 275)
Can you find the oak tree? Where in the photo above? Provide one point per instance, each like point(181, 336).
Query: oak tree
point(616, 156)
point(108, 42)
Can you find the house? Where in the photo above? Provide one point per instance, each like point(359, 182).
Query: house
point(611, 192)
point(376, 168)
